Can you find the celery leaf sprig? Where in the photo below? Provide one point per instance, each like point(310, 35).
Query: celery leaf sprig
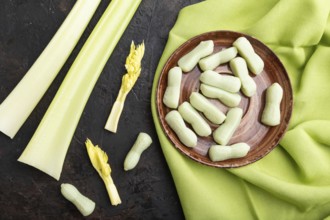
point(99, 160)
point(133, 67)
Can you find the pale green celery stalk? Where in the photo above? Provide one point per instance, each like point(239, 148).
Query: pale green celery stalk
point(19, 104)
point(47, 149)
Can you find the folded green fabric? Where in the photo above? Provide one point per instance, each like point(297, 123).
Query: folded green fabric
point(293, 181)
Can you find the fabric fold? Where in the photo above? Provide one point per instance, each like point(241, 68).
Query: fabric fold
point(293, 181)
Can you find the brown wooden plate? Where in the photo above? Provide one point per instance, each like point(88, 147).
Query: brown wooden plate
point(261, 138)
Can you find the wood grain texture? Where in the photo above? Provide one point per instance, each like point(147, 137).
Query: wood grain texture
point(261, 138)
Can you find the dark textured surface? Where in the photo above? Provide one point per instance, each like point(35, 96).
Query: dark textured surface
point(148, 191)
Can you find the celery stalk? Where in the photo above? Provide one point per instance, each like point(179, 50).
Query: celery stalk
point(99, 160)
point(47, 149)
point(133, 67)
point(19, 104)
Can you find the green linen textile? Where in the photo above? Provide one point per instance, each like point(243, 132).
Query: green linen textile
point(293, 181)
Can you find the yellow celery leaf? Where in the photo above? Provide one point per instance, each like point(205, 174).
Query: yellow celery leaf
point(98, 158)
point(133, 66)
point(99, 161)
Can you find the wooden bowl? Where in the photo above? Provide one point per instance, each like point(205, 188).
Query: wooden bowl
point(261, 138)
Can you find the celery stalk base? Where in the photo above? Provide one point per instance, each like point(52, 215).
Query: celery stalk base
point(112, 191)
point(113, 120)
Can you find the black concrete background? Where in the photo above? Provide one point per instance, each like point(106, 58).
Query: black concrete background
point(148, 191)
